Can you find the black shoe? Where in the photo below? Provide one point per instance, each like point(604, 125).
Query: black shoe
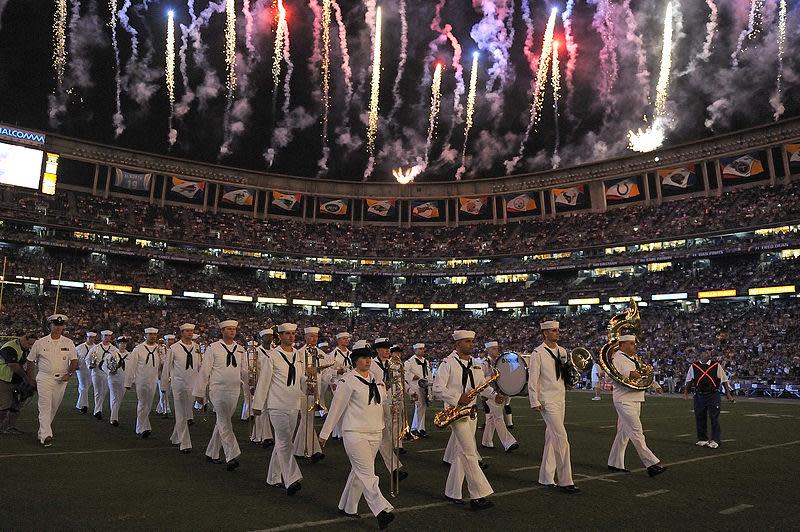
point(484, 466)
point(351, 516)
point(98, 415)
point(409, 436)
point(185, 451)
point(294, 488)
point(266, 444)
point(399, 475)
point(384, 518)
point(146, 434)
point(446, 464)
point(510, 427)
point(316, 457)
point(190, 422)
point(618, 470)
point(401, 451)
point(213, 460)
point(232, 464)
point(546, 485)
point(115, 423)
point(84, 410)
point(422, 433)
point(570, 489)
point(416, 433)
point(454, 501)
point(654, 470)
point(48, 441)
point(513, 447)
point(480, 504)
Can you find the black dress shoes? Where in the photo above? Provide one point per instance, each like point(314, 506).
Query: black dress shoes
point(384, 518)
point(480, 504)
point(654, 470)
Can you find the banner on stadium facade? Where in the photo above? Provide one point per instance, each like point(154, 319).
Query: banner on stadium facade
point(335, 207)
point(380, 209)
point(521, 204)
point(426, 211)
point(679, 180)
point(571, 199)
point(183, 190)
point(743, 169)
point(237, 196)
point(623, 190)
point(793, 151)
point(474, 207)
point(285, 203)
point(132, 181)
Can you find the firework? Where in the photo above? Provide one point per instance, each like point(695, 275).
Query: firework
point(170, 72)
point(372, 126)
point(326, 66)
point(345, 53)
point(396, 96)
point(473, 85)
point(572, 48)
point(436, 100)
point(556, 75)
point(230, 46)
point(60, 40)
point(405, 176)
point(281, 30)
point(777, 100)
point(609, 65)
point(119, 122)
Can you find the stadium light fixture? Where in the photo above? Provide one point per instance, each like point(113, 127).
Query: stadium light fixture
point(584, 301)
point(155, 291)
point(771, 290)
point(670, 297)
point(237, 298)
point(199, 295)
point(708, 294)
point(307, 302)
point(375, 305)
point(113, 287)
point(273, 300)
point(67, 284)
point(623, 299)
point(476, 305)
point(410, 306)
point(546, 303)
point(509, 304)
point(340, 304)
point(444, 306)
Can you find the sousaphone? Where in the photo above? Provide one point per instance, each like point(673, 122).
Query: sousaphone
point(628, 322)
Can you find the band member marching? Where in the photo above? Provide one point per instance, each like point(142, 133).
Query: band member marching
point(306, 441)
point(181, 366)
point(357, 404)
point(96, 361)
point(339, 363)
point(547, 395)
point(458, 374)
point(280, 392)
point(380, 368)
point(116, 368)
point(494, 417)
point(143, 373)
point(163, 397)
point(84, 373)
point(262, 429)
point(417, 375)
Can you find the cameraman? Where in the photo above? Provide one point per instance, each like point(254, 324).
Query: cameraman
point(15, 386)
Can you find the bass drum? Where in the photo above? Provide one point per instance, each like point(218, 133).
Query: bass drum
point(513, 379)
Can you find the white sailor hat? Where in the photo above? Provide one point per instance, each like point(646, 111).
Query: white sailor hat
point(169, 337)
point(343, 334)
point(57, 319)
point(121, 338)
point(463, 335)
point(322, 344)
point(381, 342)
point(487, 345)
point(107, 333)
point(311, 330)
point(547, 325)
point(287, 327)
point(91, 334)
point(361, 344)
point(418, 346)
point(151, 330)
point(187, 326)
point(264, 332)
point(228, 323)
point(627, 338)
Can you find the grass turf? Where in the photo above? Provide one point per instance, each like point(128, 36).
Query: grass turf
point(100, 477)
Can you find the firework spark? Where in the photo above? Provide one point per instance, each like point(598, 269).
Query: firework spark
point(60, 40)
point(230, 46)
point(326, 66)
point(345, 53)
point(777, 99)
point(405, 176)
point(556, 75)
point(436, 100)
point(281, 29)
point(119, 121)
point(473, 85)
point(372, 126)
point(170, 71)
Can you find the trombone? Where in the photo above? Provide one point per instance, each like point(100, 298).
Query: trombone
point(312, 389)
point(251, 356)
point(399, 425)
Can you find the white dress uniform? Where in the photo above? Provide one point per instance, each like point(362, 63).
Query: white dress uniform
point(306, 441)
point(340, 358)
point(180, 373)
point(280, 394)
point(143, 372)
point(494, 419)
point(628, 403)
point(546, 389)
point(84, 376)
point(262, 429)
point(357, 405)
point(52, 358)
point(116, 381)
point(163, 386)
point(223, 370)
point(380, 372)
point(420, 368)
point(99, 375)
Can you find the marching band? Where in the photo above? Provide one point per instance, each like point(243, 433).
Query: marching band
point(285, 389)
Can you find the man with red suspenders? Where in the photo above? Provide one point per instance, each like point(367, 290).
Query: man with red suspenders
point(705, 379)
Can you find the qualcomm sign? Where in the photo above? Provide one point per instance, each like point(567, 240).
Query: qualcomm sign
point(20, 135)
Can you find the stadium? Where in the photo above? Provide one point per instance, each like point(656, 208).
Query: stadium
point(684, 250)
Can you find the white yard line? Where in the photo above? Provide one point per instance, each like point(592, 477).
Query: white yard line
point(652, 493)
point(431, 450)
point(26, 455)
point(734, 509)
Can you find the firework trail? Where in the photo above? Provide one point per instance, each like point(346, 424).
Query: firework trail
point(281, 31)
point(776, 101)
point(59, 39)
point(711, 29)
point(436, 100)
point(125, 22)
point(527, 48)
point(316, 33)
point(748, 33)
point(572, 51)
point(119, 120)
point(326, 80)
point(170, 75)
point(3, 4)
point(372, 125)
point(491, 36)
point(446, 33)
point(609, 65)
point(343, 51)
point(248, 31)
point(396, 96)
point(230, 47)
point(632, 36)
point(556, 75)
point(473, 85)
point(287, 80)
point(538, 90)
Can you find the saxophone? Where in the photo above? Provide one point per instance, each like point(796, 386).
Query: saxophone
point(456, 412)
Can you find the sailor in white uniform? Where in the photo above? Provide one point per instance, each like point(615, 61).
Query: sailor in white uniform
point(339, 363)
point(96, 362)
point(306, 441)
point(143, 373)
point(494, 418)
point(381, 368)
point(56, 359)
point(181, 366)
point(116, 377)
point(262, 429)
point(357, 405)
point(628, 403)
point(418, 377)
point(547, 395)
point(84, 373)
point(456, 375)
point(163, 407)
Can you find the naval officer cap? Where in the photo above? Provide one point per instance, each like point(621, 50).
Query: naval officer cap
point(463, 335)
point(57, 319)
point(228, 323)
point(287, 327)
point(362, 349)
point(322, 344)
point(549, 325)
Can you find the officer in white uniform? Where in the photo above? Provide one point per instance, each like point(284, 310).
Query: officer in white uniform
point(223, 371)
point(96, 361)
point(306, 441)
point(547, 395)
point(628, 403)
point(84, 373)
point(262, 429)
point(357, 404)
point(180, 374)
point(163, 407)
point(57, 360)
point(494, 418)
point(143, 372)
point(280, 392)
point(116, 379)
point(417, 375)
point(381, 369)
point(458, 374)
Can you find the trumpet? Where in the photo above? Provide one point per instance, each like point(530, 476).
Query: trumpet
point(453, 413)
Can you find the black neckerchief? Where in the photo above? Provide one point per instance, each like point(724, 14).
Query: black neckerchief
point(558, 361)
point(150, 356)
point(292, 378)
point(424, 365)
point(122, 360)
point(374, 394)
point(346, 358)
point(103, 359)
point(189, 358)
point(466, 373)
point(230, 360)
point(385, 368)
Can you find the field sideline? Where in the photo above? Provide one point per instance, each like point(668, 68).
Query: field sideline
point(100, 477)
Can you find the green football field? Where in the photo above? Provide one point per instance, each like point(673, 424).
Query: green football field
point(99, 477)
